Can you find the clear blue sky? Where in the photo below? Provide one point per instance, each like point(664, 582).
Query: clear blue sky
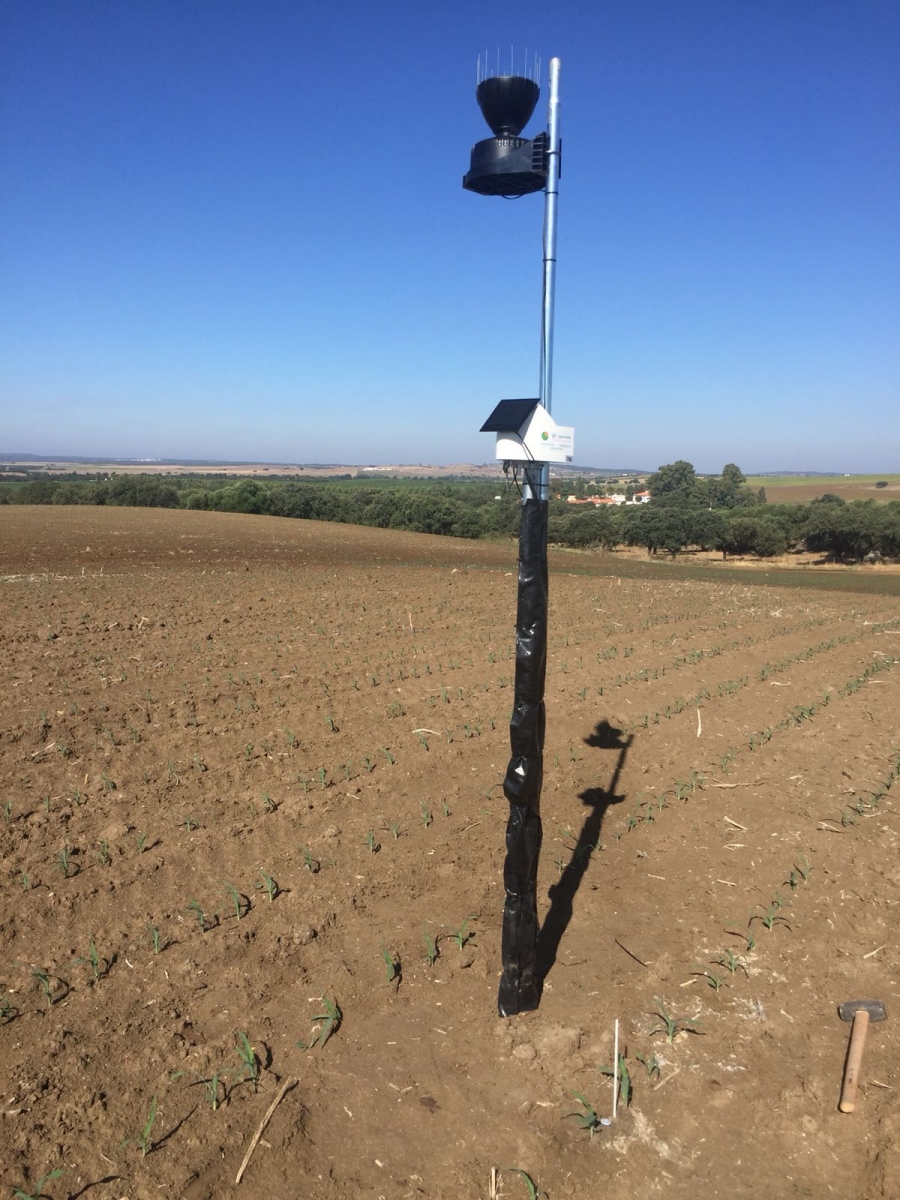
point(236, 229)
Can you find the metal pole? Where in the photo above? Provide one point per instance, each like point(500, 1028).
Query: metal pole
point(551, 199)
point(520, 985)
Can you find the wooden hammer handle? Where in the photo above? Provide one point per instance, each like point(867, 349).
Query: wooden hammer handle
point(854, 1060)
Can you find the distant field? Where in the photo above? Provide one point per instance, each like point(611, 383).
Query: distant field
point(797, 489)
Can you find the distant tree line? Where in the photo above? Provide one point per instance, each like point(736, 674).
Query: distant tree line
point(713, 513)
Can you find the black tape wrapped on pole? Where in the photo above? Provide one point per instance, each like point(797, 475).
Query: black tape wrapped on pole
point(519, 985)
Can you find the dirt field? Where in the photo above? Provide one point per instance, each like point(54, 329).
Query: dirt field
point(247, 765)
point(801, 489)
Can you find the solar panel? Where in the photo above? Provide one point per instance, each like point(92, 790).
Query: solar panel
point(509, 416)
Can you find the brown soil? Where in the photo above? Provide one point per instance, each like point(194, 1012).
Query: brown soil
point(802, 493)
point(194, 699)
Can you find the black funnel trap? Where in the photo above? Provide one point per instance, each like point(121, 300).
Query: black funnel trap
point(507, 102)
point(507, 164)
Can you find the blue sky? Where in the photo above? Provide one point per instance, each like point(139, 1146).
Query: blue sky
point(236, 229)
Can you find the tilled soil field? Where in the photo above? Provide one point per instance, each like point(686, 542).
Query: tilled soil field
point(251, 833)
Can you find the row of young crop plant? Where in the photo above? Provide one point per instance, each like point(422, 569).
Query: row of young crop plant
point(71, 859)
point(325, 776)
point(414, 671)
point(569, 638)
point(727, 687)
point(648, 809)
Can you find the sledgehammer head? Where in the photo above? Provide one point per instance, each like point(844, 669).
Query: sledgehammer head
point(848, 1010)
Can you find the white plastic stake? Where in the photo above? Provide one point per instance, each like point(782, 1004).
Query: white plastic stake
point(616, 1070)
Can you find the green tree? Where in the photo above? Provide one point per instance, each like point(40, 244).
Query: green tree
point(769, 540)
point(675, 482)
point(705, 529)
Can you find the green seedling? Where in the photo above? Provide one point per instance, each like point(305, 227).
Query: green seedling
point(329, 720)
point(213, 1084)
point(291, 738)
point(803, 868)
point(240, 902)
point(155, 939)
point(103, 856)
point(746, 935)
point(8, 1010)
point(190, 824)
point(321, 775)
point(45, 982)
point(268, 803)
point(624, 1080)
point(426, 813)
point(587, 1119)
point(714, 981)
point(462, 937)
point(395, 829)
point(422, 739)
point(392, 970)
point(371, 843)
point(145, 1139)
point(99, 966)
point(534, 1192)
point(432, 953)
point(142, 842)
point(24, 1193)
point(369, 764)
point(248, 750)
point(387, 754)
point(445, 808)
point(731, 962)
point(199, 914)
point(329, 1023)
point(770, 917)
point(672, 1025)
point(25, 881)
point(248, 1059)
point(64, 862)
point(268, 884)
point(650, 1065)
point(312, 864)
point(7, 811)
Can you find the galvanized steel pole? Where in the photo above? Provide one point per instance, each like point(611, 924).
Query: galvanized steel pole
point(551, 199)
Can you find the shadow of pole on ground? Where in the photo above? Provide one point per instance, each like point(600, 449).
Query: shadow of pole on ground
point(562, 893)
